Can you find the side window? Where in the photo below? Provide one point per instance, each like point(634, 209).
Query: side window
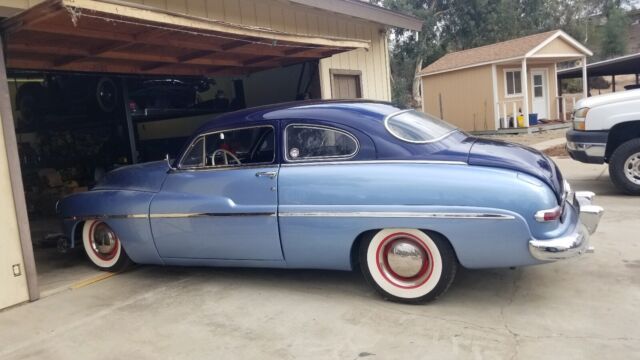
point(195, 155)
point(232, 148)
point(240, 147)
point(307, 142)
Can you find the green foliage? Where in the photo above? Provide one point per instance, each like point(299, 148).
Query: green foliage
point(452, 25)
point(614, 33)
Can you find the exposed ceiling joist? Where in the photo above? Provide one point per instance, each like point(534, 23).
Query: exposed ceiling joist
point(106, 36)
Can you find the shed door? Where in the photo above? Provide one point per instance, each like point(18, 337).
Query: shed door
point(539, 97)
point(346, 84)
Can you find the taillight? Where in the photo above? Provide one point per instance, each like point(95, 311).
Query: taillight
point(549, 214)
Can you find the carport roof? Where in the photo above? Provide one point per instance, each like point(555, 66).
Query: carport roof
point(628, 64)
point(119, 37)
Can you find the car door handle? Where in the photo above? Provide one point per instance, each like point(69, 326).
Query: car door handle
point(269, 174)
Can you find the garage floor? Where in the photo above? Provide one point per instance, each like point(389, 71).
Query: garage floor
point(586, 308)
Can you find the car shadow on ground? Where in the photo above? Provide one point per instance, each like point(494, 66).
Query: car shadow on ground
point(480, 287)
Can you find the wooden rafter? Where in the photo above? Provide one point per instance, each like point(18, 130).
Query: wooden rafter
point(122, 38)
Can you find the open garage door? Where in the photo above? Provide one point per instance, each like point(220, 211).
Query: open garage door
point(124, 38)
point(60, 53)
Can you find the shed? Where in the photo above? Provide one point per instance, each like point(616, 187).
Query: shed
point(485, 88)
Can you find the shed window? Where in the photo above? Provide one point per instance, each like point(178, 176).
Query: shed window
point(513, 82)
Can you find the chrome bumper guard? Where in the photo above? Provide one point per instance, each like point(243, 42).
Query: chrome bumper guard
point(576, 243)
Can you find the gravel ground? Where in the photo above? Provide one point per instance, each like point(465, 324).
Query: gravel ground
point(529, 139)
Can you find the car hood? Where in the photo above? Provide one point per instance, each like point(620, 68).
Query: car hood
point(140, 177)
point(502, 154)
point(611, 98)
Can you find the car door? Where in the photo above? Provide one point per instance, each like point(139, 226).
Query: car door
point(221, 202)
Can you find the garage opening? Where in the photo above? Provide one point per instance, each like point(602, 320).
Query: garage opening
point(98, 85)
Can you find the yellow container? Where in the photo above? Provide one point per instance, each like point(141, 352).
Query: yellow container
point(521, 121)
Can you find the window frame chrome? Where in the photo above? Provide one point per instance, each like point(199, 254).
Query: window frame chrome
point(318, 158)
point(386, 126)
point(229, 166)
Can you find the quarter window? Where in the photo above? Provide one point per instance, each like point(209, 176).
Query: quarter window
point(195, 155)
point(305, 142)
point(513, 81)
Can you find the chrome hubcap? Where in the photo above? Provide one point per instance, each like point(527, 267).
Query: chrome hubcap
point(405, 258)
point(632, 168)
point(104, 240)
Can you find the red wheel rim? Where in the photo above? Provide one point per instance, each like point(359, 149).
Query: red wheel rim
point(95, 244)
point(386, 269)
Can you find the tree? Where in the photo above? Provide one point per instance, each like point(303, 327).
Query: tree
point(452, 25)
point(614, 33)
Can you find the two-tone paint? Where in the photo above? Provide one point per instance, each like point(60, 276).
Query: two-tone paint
point(481, 195)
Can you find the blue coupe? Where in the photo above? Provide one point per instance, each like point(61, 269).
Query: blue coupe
point(402, 195)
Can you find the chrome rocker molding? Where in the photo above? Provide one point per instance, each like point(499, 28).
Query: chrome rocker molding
point(576, 243)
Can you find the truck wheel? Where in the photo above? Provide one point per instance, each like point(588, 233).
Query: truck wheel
point(408, 265)
point(624, 167)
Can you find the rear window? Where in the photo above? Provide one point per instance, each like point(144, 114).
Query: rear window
point(417, 127)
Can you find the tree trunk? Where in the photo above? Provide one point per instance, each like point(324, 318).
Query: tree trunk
point(415, 88)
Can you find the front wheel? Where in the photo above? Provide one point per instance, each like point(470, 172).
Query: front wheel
point(408, 265)
point(624, 167)
point(103, 247)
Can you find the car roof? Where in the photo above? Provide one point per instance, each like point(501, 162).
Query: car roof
point(339, 111)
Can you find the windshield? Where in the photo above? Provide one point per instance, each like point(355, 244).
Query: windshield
point(417, 127)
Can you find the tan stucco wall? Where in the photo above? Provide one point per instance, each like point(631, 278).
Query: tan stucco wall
point(467, 97)
point(283, 16)
point(552, 90)
point(558, 46)
point(13, 289)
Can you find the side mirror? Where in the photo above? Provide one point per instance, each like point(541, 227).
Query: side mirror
point(168, 160)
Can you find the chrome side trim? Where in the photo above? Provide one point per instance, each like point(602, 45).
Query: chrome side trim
point(195, 215)
point(103, 217)
point(364, 162)
point(166, 216)
point(398, 214)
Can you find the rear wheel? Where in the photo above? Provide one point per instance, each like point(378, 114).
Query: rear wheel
point(408, 265)
point(103, 247)
point(624, 167)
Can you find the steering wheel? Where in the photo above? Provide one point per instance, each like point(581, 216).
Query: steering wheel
point(226, 154)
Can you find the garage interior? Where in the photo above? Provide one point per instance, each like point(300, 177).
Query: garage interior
point(97, 85)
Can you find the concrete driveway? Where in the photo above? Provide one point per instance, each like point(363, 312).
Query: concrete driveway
point(586, 308)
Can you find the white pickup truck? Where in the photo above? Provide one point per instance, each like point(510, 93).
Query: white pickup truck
point(606, 129)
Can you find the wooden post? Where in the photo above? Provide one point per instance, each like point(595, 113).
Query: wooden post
point(613, 83)
point(130, 130)
point(525, 93)
point(440, 105)
point(515, 114)
point(15, 175)
point(585, 79)
point(564, 109)
point(505, 119)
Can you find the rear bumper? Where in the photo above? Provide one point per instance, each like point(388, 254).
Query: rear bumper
point(587, 146)
point(577, 242)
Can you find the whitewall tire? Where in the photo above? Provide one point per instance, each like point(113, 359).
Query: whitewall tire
point(408, 265)
point(103, 247)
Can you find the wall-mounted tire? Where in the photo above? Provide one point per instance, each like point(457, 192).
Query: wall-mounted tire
point(408, 265)
point(103, 247)
point(624, 167)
